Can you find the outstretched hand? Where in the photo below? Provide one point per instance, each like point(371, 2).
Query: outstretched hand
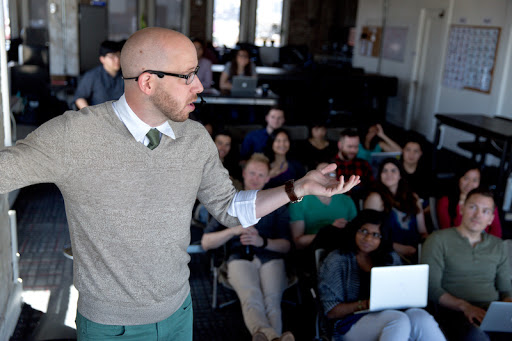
point(318, 182)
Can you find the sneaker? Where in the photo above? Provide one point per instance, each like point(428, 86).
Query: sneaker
point(287, 336)
point(259, 336)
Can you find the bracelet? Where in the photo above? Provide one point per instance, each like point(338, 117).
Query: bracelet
point(289, 189)
point(265, 242)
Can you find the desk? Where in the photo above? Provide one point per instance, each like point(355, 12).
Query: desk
point(481, 126)
point(210, 98)
point(260, 70)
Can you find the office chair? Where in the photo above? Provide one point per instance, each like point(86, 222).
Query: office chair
point(323, 328)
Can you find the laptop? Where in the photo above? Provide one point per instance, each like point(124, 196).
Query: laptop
point(244, 86)
point(377, 158)
point(498, 318)
point(398, 287)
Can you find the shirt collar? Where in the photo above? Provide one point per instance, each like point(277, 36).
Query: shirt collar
point(134, 124)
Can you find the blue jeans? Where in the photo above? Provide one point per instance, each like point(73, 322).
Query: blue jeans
point(177, 327)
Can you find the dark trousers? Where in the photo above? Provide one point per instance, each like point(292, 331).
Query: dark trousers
point(456, 327)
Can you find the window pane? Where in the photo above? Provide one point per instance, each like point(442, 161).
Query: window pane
point(168, 14)
point(226, 22)
point(122, 19)
point(269, 16)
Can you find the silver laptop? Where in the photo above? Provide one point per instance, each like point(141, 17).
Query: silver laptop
point(377, 158)
point(244, 86)
point(398, 287)
point(498, 318)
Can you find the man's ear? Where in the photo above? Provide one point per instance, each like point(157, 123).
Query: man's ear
point(146, 84)
point(340, 144)
point(102, 59)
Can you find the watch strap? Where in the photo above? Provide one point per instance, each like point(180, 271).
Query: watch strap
point(290, 190)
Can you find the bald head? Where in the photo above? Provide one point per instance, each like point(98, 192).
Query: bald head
point(153, 48)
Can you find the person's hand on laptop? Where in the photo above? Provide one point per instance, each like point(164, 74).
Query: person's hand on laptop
point(474, 314)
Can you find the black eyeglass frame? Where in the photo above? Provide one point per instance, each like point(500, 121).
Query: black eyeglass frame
point(161, 74)
point(374, 235)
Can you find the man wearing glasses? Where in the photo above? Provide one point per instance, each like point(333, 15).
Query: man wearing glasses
point(104, 82)
point(130, 172)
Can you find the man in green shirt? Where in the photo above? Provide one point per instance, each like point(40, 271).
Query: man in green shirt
point(468, 269)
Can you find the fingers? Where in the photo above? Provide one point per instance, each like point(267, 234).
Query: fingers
point(352, 181)
point(329, 168)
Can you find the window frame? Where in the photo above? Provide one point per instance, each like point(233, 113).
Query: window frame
point(248, 21)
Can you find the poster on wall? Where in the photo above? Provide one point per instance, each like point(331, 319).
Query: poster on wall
point(369, 42)
point(393, 43)
point(471, 57)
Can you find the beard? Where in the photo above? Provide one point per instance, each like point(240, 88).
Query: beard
point(347, 156)
point(168, 106)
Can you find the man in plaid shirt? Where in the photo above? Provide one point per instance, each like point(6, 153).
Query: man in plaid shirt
point(348, 146)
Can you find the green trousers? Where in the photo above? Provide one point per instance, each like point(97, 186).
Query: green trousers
point(177, 327)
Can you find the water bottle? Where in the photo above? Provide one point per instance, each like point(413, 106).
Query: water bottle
point(507, 201)
point(248, 252)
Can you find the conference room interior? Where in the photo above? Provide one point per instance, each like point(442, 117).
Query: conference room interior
point(344, 61)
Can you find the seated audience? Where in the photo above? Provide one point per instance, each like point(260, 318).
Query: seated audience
point(348, 163)
point(104, 82)
point(344, 288)
point(223, 142)
point(313, 213)
point(256, 140)
point(240, 65)
point(405, 221)
point(415, 173)
point(373, 140)
point(468, 269)
point(448, 207)
point(281, 168)
point(316, 149)
point(205, 65)
point(256, 269)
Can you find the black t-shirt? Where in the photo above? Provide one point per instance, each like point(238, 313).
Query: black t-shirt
point(364, 285)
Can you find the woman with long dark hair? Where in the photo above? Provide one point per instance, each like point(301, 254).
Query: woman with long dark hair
point(448, 207)
point(240, 65)
point(405, 221)
point(282, 168)
point(344, 288)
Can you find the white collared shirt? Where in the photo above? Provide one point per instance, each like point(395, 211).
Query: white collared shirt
point(243, 205)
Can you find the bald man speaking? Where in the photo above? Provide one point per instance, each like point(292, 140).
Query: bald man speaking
point(129, 171)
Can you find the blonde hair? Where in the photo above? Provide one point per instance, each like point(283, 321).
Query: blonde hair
point(259, 157)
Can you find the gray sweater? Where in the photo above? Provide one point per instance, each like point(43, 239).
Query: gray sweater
point(128, 207)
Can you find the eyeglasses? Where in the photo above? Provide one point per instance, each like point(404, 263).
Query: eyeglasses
point(365, 232)
point(189, 77)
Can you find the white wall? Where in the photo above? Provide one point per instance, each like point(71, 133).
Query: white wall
point(445, 100)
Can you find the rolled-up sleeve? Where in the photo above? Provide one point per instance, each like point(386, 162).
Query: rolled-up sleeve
point(243, 207)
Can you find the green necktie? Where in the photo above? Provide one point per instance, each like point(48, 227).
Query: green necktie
point(154, 138)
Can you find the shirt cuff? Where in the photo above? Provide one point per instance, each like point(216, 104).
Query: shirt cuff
point(243, 207)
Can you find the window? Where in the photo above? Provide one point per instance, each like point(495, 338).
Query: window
point(269, 15)
point(122, 19)
point(168, 14)
point(226, 22)
point(252, 21)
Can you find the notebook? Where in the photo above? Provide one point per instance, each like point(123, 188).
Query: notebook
point(498, 318)
point(377, 158)
point(398, 287)
point(244, 86)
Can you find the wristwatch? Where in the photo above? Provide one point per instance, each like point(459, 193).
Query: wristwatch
point(289, 189)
